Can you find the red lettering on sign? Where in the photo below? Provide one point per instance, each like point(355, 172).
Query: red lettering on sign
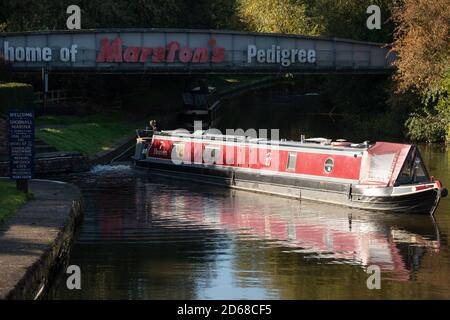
point(158, 55)
point(185, 54)
point(131, 54)
point(145, 53)
point(218, 55)
point(110, 52)
point(171, 49)
point(212, 42)
point(200, 55)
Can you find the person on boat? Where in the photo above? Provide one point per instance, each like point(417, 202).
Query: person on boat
point(153, 126)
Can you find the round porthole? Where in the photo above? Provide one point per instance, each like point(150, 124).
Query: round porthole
point(329, 164)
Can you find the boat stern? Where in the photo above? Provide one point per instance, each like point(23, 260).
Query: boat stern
point(422, 198)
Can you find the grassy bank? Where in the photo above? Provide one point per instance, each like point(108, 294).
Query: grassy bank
point(10, 199)
point(89, 134)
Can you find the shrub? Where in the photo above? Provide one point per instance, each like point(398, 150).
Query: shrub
point(432, 121)
point(429, 127)
point(15, 95)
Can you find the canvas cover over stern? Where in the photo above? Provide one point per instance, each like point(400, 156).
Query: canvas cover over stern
point(382, 163)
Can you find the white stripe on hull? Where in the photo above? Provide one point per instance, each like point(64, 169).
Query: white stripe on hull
point(273, 145)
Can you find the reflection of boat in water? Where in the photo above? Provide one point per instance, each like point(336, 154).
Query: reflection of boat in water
point(394, 242)
point(200, 103)
point(380, 176)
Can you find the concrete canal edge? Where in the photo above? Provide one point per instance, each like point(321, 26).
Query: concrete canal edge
point(35, 243)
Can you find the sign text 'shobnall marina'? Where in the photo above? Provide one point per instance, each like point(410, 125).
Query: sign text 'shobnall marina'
point(21, 144)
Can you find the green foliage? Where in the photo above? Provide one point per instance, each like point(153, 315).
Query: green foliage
point(442, 97)
point(51, 15)
point(431, 121)
point(347, 19)
point(10, 199)
point(422, 36)
point(214, 14)
point(341, 18)
point(28, 15)
point(282, 16)
point(15, 96)
point(334, 18)
point(429, 127)
point(421, 42)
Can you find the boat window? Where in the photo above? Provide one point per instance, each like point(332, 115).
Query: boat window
point(413, 171)
point(420, 173)
point(179, 150)
point(405, 175)
point(292, 160)
point(211, 154)
point(329, 164)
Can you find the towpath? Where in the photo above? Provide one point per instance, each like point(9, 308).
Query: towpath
point(37, 238)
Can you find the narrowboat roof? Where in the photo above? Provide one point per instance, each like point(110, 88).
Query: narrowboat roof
point(317, 143)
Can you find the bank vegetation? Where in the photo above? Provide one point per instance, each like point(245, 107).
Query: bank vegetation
point(10, 199)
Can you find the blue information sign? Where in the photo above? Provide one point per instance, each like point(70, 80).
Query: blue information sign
point(21, 144)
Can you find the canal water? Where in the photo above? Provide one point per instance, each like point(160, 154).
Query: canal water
point(147, 237)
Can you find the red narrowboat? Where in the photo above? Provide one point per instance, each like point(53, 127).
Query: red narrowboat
point(379, 176)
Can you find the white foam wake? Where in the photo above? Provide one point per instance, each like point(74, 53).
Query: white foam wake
point(101, 168)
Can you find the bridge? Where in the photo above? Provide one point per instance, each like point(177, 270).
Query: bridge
point(185, 51)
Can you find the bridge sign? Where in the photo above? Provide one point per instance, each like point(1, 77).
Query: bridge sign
point(187, 51)
point(21, 144)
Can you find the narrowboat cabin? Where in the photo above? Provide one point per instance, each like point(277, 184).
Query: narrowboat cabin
point(379, 176)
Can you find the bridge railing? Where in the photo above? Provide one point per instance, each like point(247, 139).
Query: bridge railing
point(53, 96)
point(58, 96)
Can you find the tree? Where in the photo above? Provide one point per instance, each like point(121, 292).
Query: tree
point(283, 16)
point(422, 38)
point(29, 15)
point(211, 14)
point(26, 15)
point(347, 19)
